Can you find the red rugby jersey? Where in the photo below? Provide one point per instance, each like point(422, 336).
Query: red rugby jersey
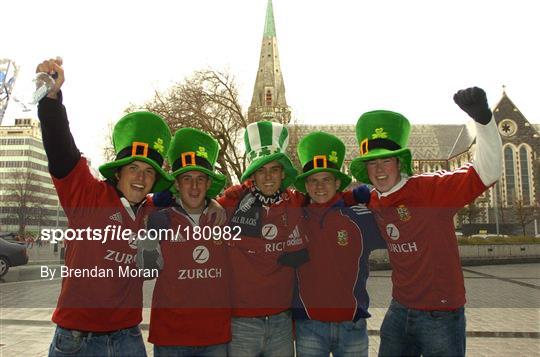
point(98, 303)
point(191, 301)
point(416, 220)
point(259, 285)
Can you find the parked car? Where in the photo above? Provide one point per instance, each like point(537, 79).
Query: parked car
point(12, 237)
point(11, 255)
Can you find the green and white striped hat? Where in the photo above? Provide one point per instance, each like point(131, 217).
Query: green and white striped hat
point(266, 142)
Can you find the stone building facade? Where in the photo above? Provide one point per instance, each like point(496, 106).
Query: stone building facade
point(511, 204)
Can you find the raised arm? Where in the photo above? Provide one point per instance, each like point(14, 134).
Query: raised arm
point(488, 152)
point(62, 153)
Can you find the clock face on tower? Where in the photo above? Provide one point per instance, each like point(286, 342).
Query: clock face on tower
point(507, 127)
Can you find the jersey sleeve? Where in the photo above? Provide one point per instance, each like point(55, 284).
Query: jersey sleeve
point(79, 192)
point(488, 153)
point(448, 189)
point(461, 186)
point(58, 142)
point(364, 219)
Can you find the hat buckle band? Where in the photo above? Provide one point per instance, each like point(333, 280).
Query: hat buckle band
point(136, 145)
point(317, 159)
point(364, 147)
point(191, 155)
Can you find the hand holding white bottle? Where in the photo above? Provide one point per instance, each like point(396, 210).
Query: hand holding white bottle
point(44, 83)
point(48, 79)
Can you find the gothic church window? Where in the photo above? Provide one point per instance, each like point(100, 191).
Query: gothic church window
point(509, 174)
point(524, 165)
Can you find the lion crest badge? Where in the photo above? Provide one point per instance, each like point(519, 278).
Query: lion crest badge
point(403, 212)
point(342, 237)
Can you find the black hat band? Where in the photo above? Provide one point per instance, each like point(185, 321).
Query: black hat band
point(190, 159)
point(140, 149)
point(319, 161)
point(367, 145)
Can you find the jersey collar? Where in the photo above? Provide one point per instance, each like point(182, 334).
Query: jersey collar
point(397, 187)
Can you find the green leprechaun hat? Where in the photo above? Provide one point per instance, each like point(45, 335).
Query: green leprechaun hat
point(319, 152)
point(266, 142)
point(381, 134)
point(193, 149)
point(140, 136)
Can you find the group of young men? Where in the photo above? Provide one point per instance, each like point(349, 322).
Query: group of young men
point(283, 254)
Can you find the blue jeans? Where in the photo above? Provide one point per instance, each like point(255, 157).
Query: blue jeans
point(410, 332)
point(126, 342)
point(187, 351)
point(262, 336)
point(317, 338)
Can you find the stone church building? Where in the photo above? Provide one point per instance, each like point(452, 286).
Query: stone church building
point(510, 207)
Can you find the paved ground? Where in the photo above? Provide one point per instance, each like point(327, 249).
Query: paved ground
point(503, 311)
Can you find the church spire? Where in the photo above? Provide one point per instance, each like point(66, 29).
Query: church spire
point(268, 102)
point(269, 25)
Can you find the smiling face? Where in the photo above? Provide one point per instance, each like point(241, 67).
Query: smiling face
point(192, 186)
point(268, 178)
point(135, 181)
point(322, 186)
point(383, 173)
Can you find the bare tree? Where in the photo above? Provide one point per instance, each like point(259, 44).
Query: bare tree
point(469, 214)
point(295, 135)
point(22, 196)
point(207, 100)
point(525, 214)
point(108, 149)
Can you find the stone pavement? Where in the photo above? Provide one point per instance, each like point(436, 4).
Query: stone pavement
point(503, 312)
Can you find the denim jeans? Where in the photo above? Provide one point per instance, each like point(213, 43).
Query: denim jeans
point(188, 351)
point(410, 332)
point(262, 336)
point(318, 338)
point(126, 342)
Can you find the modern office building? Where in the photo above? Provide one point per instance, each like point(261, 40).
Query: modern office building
point(27, 195)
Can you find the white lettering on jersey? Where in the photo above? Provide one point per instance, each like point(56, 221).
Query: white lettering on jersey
point(119, 257)
point(273, 247)
point(212, 273)
point(402, 248)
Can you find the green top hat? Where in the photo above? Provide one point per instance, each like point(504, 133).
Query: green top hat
point(319, 152)
point(381, 134)
point(266, 142)
point(140, 136)
point(193, 149)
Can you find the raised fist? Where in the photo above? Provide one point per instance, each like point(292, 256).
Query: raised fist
point(473, 101)
point(54, 68)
